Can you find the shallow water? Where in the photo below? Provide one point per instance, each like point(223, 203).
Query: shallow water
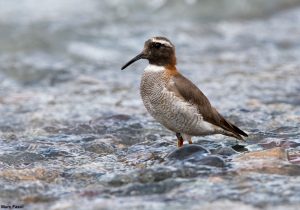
point(74, 132)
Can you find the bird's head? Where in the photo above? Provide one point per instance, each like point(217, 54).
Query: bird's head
point(158, 51)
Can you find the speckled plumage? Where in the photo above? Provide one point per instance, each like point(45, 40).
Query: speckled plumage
point(167, 108)
point(173, 100)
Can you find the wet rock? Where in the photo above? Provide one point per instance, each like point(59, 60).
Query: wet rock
point(82, 176)
point(78, 129)
point(7, 128)
point(294, 156)
point(127, 129)
point(99, 147)
point(124, 125)
point(118, 118)
point(38, 199)
point(187, 151)
point(116, 180)
point(157, 174)
point(239, 148)
point(210, 160)
point(275, 142)
point(53, 153)
point(29, 174)
point(272, 161)
point(139, 155)
point(224, 205)
point(275, 153)
point(113, 120)
point(151, 137)
point(154, 174)
point(194, 154)
point(21, 158)
point(22, 189)
point(225, 151)
point(147, 189)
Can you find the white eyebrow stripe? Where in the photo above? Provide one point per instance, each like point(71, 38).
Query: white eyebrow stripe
point(164, 42)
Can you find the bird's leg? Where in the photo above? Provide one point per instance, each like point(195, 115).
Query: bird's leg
point(179, 140)
point(187, 138)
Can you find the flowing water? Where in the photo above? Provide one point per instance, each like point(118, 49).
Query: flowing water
point(74, 131)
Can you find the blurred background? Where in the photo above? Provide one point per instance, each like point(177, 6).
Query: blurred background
point(66, 32)
point(56, 41)
point(72, 122)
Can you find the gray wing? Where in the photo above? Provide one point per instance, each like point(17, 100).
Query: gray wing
point(185, 89)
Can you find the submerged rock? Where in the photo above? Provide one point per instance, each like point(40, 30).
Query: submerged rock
point(194, 154)
point(211, 160)
point(225, 151)
point(187, 151)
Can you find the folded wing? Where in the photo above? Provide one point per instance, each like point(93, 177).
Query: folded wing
point(185, 89)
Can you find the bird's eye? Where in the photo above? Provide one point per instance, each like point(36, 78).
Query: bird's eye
point(157, 45)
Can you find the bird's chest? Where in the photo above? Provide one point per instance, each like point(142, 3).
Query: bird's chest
point(151, 89)
point(163, 104)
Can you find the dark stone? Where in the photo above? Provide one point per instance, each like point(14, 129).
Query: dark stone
point(240, 148)
point(194, 154)
point(186, 151)
point(210, 160)
point(225, 151)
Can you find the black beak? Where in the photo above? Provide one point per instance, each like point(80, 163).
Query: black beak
point(138, 57)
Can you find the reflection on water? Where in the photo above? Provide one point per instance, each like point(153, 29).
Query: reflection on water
point(74, 132)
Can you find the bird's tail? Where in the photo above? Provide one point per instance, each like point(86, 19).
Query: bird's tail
point(233, 131)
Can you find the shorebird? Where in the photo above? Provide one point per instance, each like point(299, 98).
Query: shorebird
point(173, 100)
